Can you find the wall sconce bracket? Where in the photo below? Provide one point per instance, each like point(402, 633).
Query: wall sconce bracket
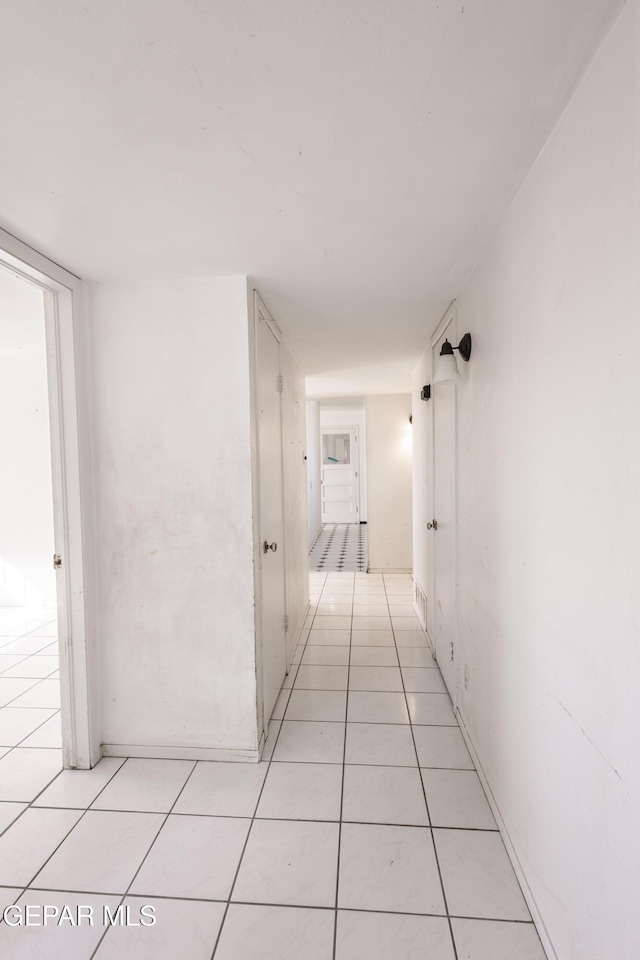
point(464, 347)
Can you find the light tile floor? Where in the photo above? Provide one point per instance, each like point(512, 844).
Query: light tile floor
point(29, 688)
point(364, 834)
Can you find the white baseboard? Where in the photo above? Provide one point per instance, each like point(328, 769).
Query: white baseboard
point(432, 649)
point(432, 646)
point(511, 850)
point(179, 753)
point(389, 570)
point(290, 652)
point(315, 536)
point(418, 613)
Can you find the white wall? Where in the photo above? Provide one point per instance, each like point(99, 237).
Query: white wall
point(549, 514)
point(314, 474)
point(351, 415)
point(389, 481)
point(174, 513)
point(26, 497)
point(295, 494)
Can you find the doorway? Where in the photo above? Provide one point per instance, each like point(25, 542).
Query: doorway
point(340, 471)
point(341, 544)
point(65, 604)
point(337, 487)
point(29, 667)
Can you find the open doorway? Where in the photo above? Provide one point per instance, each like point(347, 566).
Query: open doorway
point(340, 484)
point(336, 439)
point(29, 664)
point(47, 541)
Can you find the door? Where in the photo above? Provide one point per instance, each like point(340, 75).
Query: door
point(340, 482)
point(270, 478)
point(443, 532)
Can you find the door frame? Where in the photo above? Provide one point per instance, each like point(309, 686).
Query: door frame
point(73, 511)
point(354, 428)
point(449, 318)
point(260, 312)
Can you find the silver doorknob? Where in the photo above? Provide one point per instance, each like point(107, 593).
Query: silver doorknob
point(433, 525)
point(266, 546)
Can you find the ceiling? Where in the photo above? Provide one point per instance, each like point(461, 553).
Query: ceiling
point(351, 156)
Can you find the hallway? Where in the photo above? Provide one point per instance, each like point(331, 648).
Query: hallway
point(412, 229)
point(368, 839)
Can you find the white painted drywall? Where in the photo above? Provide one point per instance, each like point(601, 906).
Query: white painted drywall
point(549, 514)
point(174, 513)
point(296, 522)
point(389, 481)
point(345, 414)
point(314, 476)
point(26, 496)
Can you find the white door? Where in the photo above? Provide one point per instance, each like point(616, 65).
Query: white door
point(272, 601)
point(340, 475)
point(444, 529)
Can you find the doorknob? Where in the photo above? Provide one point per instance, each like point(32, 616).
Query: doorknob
point(433, 525)
point(266, 546)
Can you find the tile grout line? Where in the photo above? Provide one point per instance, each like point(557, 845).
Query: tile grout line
point(431, 693)
point(230, 816)
point(296, 906)
point(424, 793)
point(386, 723)
point(276, 819)
point(69, 831)
point(24, 658)
point(20, 743)
point(49, 676)
point(14, 746)
point(36, 682)
point(31, 732)
point(344, 760)
point(101, 790)
point(124, 896)
point(253, 817)
point(33, 629)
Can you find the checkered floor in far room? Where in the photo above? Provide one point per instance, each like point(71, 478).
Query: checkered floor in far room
point(340, 547)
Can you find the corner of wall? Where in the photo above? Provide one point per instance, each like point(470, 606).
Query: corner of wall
point(83, 334)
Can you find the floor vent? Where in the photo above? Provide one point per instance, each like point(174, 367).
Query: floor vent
point(420, 600)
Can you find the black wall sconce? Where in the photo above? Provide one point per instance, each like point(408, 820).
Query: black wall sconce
point(446, 367)
point(425, 393)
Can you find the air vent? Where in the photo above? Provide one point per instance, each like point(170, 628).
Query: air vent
point(420, 602)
